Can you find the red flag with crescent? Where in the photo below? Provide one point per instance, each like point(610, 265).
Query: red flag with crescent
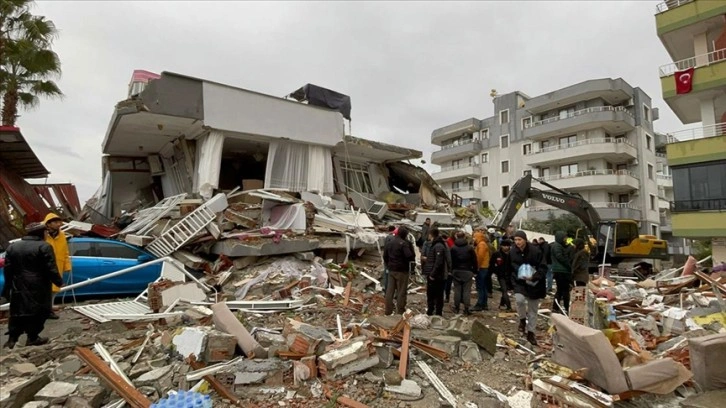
point(684, 81)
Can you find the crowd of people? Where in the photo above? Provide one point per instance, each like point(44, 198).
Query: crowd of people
point(527, 269)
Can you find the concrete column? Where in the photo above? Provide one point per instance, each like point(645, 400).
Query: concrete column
point(708, 112)
point(700, 48)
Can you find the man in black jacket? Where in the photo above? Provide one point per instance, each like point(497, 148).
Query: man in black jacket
point(435, 271)
point(30, 269)
point(501, 265)
point(398, 254)
point(530, 284)
point(463, 267)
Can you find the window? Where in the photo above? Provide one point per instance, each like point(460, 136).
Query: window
point(544, 144)
point(568, 170)
point(485, 157)
point(484, 134)
point(505, 166)
point(567, 112)
point(526, 122)
point(646, 113)
point(455, 186)
point(504, 116)
point(654, 230)
point(472, 160)
point(623, 198)
point(650, 171)
point(505, 191)
point(485, 204)
point(568, 141)
point(469, 183)
point(113, 250)
point(81, 249)
point(526, 148)
point(700, 186)
point(544, 172)
point(527, 172)
point(356, 177)
point(649, 142)
point(455, 163)
point(484, 181)
point(652, 202)
point(504, 142)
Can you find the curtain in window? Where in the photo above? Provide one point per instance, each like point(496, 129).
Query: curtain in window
point(208, 161)
point(299, 167)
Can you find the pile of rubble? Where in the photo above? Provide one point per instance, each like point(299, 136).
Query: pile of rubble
point(264, 328)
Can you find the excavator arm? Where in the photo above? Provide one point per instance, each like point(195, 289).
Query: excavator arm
point(523, 191)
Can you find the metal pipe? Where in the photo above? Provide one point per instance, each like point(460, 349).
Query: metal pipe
point(112, 274)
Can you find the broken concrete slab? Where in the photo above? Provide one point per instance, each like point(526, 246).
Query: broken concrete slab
point(226, 321)
point(13, 394)
point(154, 376)
point(469, 352)
point(449, 344)
point(77, 402)
point(23, 369)
point(56, 392)
point(306, 339)
point(269, 372)
point(484, 337)
point(37, 404)
point(235, 248)
point(385, 355)
point(94, 394)
point(710, 399)
point(408, 388)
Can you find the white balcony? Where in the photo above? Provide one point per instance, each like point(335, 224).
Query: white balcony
point(664, 180)
point(457, 172)
point(455, 151)
point(612, 180)
point(467, 192)
point(692, 62)
point(611, 149)
point(614, 119)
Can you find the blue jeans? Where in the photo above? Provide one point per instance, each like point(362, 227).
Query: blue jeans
point(481, 287)
point(550, 277)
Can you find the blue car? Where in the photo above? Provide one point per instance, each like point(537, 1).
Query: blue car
point(92, 257)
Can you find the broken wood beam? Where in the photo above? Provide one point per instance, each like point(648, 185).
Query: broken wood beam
point(220, 388)
point(131, 395)
point(345, 401)
point(403, 364)
point(346, 293)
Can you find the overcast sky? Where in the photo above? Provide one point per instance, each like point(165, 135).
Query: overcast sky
point(408, 67)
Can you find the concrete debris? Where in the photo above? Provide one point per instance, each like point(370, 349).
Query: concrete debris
point(56, 392)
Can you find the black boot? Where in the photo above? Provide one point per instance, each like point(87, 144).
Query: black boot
point(37, 342)
point(531, 338)
point(11, 343)
point(522, 325)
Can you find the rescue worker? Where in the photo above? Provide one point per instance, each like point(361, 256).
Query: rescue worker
point(57, 239)
point(530, 283)
point(30, 271)
point(580, 264)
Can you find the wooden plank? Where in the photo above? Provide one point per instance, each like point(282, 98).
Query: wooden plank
point(348, 288)
point(345, 401)
point(131, 395)
point(223, 391)
point(403, 363)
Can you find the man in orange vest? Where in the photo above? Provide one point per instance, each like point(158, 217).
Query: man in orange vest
point(57, 239)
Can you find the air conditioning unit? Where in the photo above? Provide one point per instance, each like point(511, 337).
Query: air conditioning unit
point(635, 162)
point(630, 103)
point(378, 209)
point(155, 165)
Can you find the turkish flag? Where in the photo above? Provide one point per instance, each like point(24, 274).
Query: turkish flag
point(684, 81)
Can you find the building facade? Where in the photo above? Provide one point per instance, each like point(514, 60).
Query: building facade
point(694, 87)
point(595, 138)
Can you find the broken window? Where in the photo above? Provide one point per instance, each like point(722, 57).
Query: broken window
point(356, 177)
point(299, 167)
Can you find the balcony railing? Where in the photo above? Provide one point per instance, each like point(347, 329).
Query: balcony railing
point(711, 204)
point(457, 143)
point(465, 189)
point(579, 113)
point(581, 143)
point(457, 167)
point(670, 5)
point(698, 133)
point(693, 62)
point(662, 176)
point(589, 173)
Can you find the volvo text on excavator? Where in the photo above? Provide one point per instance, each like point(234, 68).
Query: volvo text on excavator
point(617, 239)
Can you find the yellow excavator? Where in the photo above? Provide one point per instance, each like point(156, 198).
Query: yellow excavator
point(617, 240)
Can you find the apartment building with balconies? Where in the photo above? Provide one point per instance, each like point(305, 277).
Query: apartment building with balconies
point(694, 87)
point(595, 138)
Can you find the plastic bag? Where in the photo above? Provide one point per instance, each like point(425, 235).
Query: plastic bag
point(526, 271)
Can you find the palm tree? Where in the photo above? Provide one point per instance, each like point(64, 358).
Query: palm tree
point(27, 62)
